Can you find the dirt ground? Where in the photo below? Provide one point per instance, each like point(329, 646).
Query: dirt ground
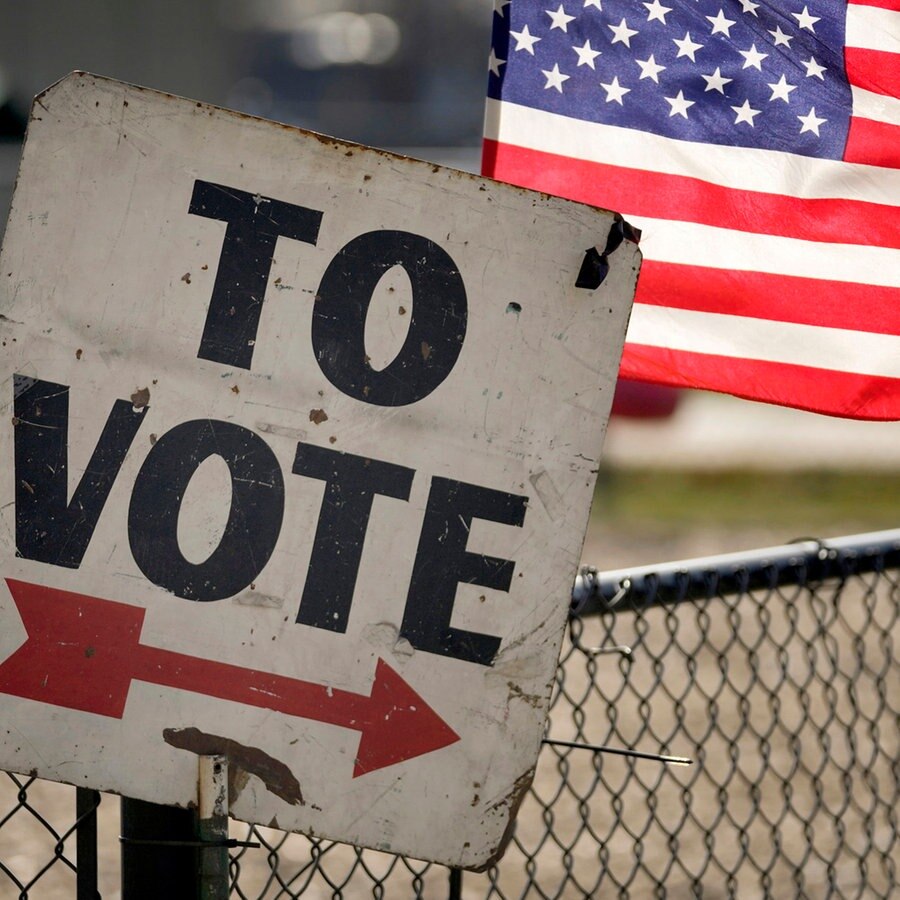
point(602, 826)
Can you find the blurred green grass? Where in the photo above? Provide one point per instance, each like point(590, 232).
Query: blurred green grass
point(815, 502)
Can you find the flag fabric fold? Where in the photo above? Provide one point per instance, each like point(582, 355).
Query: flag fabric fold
point(757, 147)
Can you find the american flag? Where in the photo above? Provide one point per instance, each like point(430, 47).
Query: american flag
point(757, 146)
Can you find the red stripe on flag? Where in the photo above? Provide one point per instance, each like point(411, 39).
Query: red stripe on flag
point(816, 390)
point(873, 70)
point(782, 298)
point(681, 198)
point(873, 143)
point(893, 5)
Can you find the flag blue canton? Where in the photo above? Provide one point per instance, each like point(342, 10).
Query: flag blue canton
point(734, 72)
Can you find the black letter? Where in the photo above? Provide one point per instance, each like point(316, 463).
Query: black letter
point(442, 562)
point(351, 483)
point(437, 323)
point(254, 225)
point(47, 528)
point(254, 520)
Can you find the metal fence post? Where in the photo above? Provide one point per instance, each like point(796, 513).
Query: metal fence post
point(159, 853)
point(212, 827)
point(86, 803)
point(455, 884)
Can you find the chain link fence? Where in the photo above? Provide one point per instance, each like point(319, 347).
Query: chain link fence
point(775, 671)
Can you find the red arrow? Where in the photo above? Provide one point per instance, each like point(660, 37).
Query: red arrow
point(83, 653)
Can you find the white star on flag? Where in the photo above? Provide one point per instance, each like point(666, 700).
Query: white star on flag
point(752, 58)
point(555, 78)
point(586, 54)
point(650, 68)
point(748, 6)
point(716, 82)
point(500, 7)
point(781, 89)
point(622, 32)
point(657, 11)
point(686, 47)
point(596, 3)
point(813, 69)
point(811, 122)
point(559, 19)
point(805, 20)
point(525, 40)
point(679, 105)
point(614, 91)
point(494, 63)
point(745, 113)
point(781, 39)
point(720, 25)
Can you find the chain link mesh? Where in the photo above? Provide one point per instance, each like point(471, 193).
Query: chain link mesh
point(783, 686)
point(787, 700)
point(37, 849)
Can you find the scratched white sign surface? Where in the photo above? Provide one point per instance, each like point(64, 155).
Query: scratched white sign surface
point(298, 447)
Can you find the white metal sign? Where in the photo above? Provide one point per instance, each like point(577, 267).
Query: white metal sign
point(298, 446)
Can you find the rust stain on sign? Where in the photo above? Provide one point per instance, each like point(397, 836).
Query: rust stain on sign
point(512, 801)
point(141, 398)
point(535, 700)
point(318, 416)
point(274, 774)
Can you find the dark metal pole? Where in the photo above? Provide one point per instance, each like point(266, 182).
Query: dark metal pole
point(159, 852)
point(456, 884)
point(734, 573)
point(86, 803)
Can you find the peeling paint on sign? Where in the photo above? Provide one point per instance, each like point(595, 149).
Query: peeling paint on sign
point(242, 761)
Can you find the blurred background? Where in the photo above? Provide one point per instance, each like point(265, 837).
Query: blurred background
point(684, 473)
point(389, 73)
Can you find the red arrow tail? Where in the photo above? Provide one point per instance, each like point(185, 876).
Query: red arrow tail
point(79, 650)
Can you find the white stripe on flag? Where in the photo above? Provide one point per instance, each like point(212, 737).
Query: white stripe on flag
point(761, 339)
point(873, 28)
point(671, 241)
point(742, 168)
point(879, 107)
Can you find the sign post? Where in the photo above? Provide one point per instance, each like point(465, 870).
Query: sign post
point(298, 447)
point(212, 827)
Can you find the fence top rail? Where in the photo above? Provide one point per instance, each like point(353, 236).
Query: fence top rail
point(809, 559)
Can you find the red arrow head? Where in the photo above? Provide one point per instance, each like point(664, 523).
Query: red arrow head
point(77, 652)
point(400, 725)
